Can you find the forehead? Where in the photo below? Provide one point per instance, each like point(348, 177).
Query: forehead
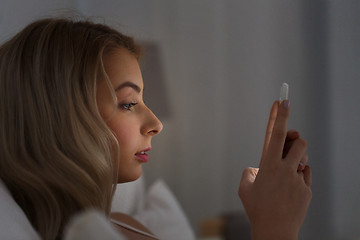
point(122, 66)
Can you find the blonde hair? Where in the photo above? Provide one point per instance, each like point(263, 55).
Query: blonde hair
point(55, 149)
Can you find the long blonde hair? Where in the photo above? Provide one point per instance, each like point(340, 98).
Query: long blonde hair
point(55, 149)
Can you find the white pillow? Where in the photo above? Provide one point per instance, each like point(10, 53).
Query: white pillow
point(163, 215)
point(14, 224)
point(129, 198)
point(91, 225)
point(13, 221)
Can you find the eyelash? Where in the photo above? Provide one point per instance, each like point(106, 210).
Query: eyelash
point(128, 106)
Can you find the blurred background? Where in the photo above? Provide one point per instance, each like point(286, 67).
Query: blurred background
point(217, 67)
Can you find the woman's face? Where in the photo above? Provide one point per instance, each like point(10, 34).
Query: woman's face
point(131, 121)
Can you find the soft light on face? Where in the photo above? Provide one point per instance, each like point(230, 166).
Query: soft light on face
point(131, 121)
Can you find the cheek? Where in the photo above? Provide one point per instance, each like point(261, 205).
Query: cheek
point(125, 133)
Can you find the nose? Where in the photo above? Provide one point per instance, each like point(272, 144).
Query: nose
point(152, 125)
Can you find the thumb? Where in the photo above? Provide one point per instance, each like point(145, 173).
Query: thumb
point(247, 179)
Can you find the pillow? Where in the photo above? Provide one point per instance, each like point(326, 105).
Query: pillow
point(14, 225)
point(13, 221)
point(129, 197)
point(163, 215)
point(91, 225)
point(159, 211)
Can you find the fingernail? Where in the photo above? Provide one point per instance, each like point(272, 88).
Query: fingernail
point(301, 166)
point(286, 103)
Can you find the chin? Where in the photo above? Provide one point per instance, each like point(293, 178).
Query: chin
point(129, 177)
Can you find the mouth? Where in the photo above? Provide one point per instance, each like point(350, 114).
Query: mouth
point(142, 156)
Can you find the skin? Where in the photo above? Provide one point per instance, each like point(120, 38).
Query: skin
point(132, 122)
point(277, 195)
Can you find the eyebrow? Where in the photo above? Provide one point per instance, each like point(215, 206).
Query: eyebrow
point(128, 84)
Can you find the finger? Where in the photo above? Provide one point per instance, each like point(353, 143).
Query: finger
point(290, 137)
point(277, 140)
point(303, 162)
point(249, 175)
point(270, 126)
point(307, 176)
point(296, 153)
point(247, 179)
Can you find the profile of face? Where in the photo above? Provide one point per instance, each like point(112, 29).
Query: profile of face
point(132, 122)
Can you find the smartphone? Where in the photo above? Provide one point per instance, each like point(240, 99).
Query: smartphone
point(284, 92)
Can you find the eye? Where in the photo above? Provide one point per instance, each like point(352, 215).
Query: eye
point(128, 106)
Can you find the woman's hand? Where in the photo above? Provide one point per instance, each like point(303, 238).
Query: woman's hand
point(277, 195)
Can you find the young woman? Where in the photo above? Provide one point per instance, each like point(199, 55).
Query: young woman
point(73, 124)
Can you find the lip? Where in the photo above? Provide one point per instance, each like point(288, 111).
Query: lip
point(142, 156)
